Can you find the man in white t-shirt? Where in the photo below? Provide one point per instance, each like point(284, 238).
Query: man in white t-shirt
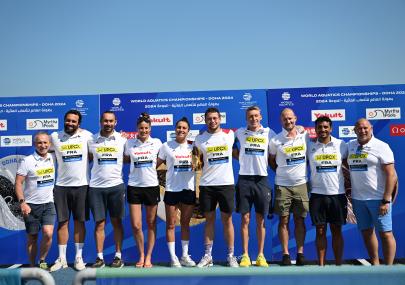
point(216, 184)
point(373, 178)
point(36, 198)
point(252, 187)
point(288, 159)
point(107, 189)
point(70, 193)
point(328, 202)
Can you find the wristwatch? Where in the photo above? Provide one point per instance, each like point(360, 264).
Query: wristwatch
point(21, 201)
point(383, 201)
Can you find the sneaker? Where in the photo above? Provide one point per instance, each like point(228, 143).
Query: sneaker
point(99, 263)
point(206, 261)
point(286, 261)
point(245, 261)
point(300, 259)
point(232, 262)
point(261, 261)
point(187, 261)
point(79, 264)
point(117, 263)
point(59, 264)
point(175, 262)
point(43, 265)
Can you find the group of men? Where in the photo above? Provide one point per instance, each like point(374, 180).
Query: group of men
point(369, 160)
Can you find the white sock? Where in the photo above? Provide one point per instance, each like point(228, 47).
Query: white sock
point(100, 255)
point(230, 251)
point(172, 249)
point(184, 246)
point(79, 249)
point(62, 251)
point(208, 249)
point(118, 254)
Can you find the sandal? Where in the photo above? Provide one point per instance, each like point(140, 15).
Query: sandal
point(139, 264)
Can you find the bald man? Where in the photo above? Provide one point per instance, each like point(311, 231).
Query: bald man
point(373, 179)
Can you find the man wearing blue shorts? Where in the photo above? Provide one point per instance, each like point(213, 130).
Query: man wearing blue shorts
point(373, 178)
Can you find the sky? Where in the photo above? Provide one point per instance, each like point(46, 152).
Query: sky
point(80, 47)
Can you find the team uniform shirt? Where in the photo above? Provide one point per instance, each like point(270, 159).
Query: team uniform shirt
point(217, 154)
point(325, 161)
point(108, 153)
point(178, 157)
point(290, 158)
point(143, 161)
point(72, 156)
point(40, 178)
point(365, 164)
point(253, 152)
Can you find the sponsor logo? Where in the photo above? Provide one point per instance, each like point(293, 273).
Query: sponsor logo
point(397, 130)
point(79, 103)
point(383, 113)
point(347, 132)
point(162, 120)
point(129, 135)
point(171, 135)
point(286, 96)
point(116, 101)
point(3, 125)
point(42, 124)
point(199, 118)
point(13, 141)
point(311, 131)
point(247, 96)
point(334, 115)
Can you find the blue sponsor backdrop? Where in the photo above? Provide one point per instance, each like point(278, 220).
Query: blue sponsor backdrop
point(381, 104)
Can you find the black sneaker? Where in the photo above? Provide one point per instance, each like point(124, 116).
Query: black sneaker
point(286, 261)
point(99, 263)
point(300, 259)
point(117, 263)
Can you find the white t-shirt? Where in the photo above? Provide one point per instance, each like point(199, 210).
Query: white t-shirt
point(108, 156)
point(325, 161)
point(40, 178)
point(253, 152)
point(72, 156)
point(366, 173)
point(290, 158)
point(178, 157)
point(143, 162)
point(217, 155)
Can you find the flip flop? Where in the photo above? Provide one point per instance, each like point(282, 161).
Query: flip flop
point(150, 265)
point(139, 264)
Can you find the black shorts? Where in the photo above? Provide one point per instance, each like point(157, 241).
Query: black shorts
point(253, 190)
point(328, 209)
point(111, 199)
point(71, 200)
point(185, 196)
point(148, 196)
point(224, 195)
point(41, 214)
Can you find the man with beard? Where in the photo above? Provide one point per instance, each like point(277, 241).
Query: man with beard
point(70, 146)
point(107, 189)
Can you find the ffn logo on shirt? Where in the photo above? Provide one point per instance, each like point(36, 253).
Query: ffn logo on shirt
point(334, 115)
point(162, 120)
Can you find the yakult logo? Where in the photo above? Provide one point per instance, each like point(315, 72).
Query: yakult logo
point(397, 130)
point(3, 125)
point(383, 113)
point(334, 115)
point(162, 120)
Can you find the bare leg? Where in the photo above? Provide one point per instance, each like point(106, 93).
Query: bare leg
point(118, 233)
point(151, 213)
point(261, 232)
point(170, 222)
point(321, 243)
point(245, 232)
point(389, 246)
point(185, 217)
point(229, 231)
point(283, 232)
point(371, 242)
point(135, 210)
point(46, 242)
point(32, 248)
point(300, 232)
point(337, 243)
point(99, 235)
point(79, 231)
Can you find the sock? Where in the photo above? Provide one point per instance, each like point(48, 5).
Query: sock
point(184, 246)
point(172, 249)
point(62, 251)
point(100, 255)
point(118, 254)
point(208, 249)
point(230, 251)
point(79, 249)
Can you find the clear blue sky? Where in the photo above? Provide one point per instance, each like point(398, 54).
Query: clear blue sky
point(91, 47)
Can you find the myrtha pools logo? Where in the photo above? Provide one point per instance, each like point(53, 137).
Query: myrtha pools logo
point(42, 124)
point(383, 113)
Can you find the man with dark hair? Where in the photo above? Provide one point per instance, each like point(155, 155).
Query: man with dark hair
point(216, 184)
point(107, 189)
point(373, 177)
point(70, 146)
point(328, 203)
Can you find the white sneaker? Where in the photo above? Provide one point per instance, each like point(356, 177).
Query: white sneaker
point(187, 261)
point(79, 264)
point(232, 262)
point(59, 264)
point(206, 261)
point(175, 262)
